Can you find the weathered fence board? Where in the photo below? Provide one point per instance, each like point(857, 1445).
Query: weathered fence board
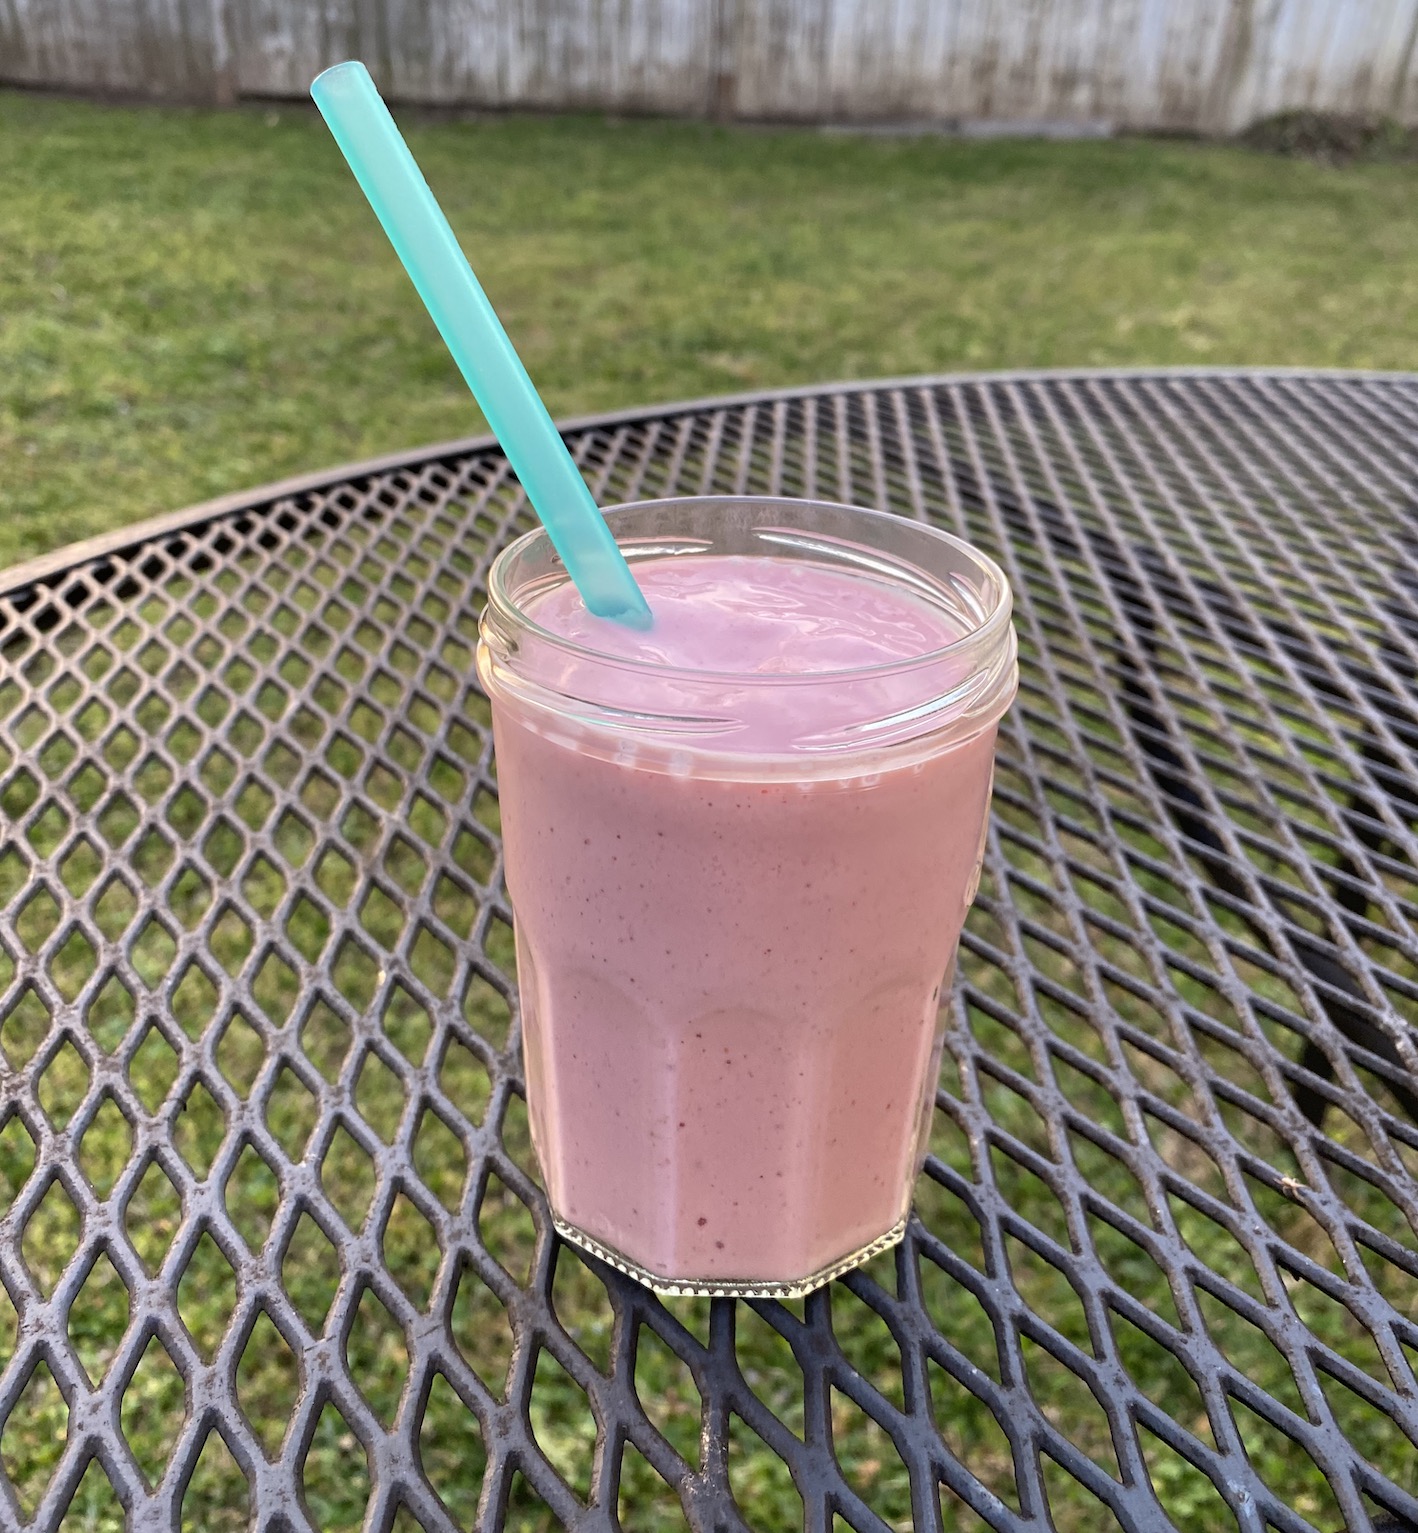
point(1212, 65)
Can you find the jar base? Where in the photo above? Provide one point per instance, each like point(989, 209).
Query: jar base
point(728, 1288)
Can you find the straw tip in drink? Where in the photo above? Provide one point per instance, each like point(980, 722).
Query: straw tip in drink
point(629, 609)
point(639, 617)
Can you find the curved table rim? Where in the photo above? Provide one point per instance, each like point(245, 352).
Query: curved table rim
point(49, 566)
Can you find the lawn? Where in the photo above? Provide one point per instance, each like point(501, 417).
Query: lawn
point(193, 302)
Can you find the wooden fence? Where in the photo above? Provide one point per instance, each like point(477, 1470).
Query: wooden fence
point(1208, 65)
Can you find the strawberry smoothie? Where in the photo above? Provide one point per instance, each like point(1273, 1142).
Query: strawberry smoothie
point(739, 849)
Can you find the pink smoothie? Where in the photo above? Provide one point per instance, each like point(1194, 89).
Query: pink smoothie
point(731, 959)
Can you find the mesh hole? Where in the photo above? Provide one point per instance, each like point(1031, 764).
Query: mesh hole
point(1030, 1197)
point(95, 1507)
point(335, 876)
point(231, 941)
point(348, 1176)
point(1186, 1157)
point(867, 1343)
point(1375, 1436)
point(666, 1390)
point(64, 1085)
point(482, 1330)
point(9, 1329)
point(1048, 1292)
point(1133, 1270)
point(517, 1137)
point(1090, 1097)
point(1216, 1246)
point(1336, 1325)
point(956, 1313)
point(293, 838)
point(115, 907)
point(760, 1481)
point(73, 965)
point(267, 1384)
point(240, 1055)
point(206, 1296)
point(152, 1216)
point(487, 1012)
point(379, 1096)
point(251, 1194)
point(583, 1307)
point(949, 1220)
point(1072, 1506)
point(275, 988)
point(110, 1014)
point(34, 1438)
point(24, 1029)
point(451, 1451)
point(264, 886)
point(646, 1504)
point(432, 963)
point(526, 1511)
point(958, 1516)
point(98, 1318)
point(1295, 1225)
point(1160, 1375)
point(407, 1025)
point(80, 866)
point(335, 1475)
point(563, 1423)
point(291, 1111)
point(440, 1160)
point(378, 1356)
point(1285, 1466)
point(1250, 1351)
point(326, 1038)
point(1069, 1404)
point(194, 1001)
point(310, 1272)
point(500, 946)
point(153, 1411)
point(506, 1230)
point(1186, 1495)
point(199, 1130)
point(382, 918)
point(17, 1161)
point(970, 1431)
point(15, 872)
point(356, 975)
point(870, 1462)
point(51, 1237)
point(152, 857)
point(217, 1495)
point(411, 1251)
point(464, 1080)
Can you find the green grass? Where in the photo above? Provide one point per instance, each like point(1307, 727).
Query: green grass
point(194, 302)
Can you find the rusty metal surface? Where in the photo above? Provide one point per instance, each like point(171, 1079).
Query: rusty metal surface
point(1165, 1262)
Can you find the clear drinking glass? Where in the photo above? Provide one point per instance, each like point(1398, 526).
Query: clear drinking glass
point(731, 961)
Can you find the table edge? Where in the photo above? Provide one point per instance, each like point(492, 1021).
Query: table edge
point(48, 567)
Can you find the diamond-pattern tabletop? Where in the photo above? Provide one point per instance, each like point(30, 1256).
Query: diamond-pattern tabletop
point(272, 1246)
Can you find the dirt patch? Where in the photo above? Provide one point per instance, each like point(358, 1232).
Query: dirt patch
point(1333, 138)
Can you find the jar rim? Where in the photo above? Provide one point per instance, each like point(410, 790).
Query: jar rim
point(993, 627)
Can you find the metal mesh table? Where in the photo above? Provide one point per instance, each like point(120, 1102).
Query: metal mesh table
point(271, 1243)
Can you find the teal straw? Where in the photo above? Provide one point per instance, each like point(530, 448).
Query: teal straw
point(391, 180)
